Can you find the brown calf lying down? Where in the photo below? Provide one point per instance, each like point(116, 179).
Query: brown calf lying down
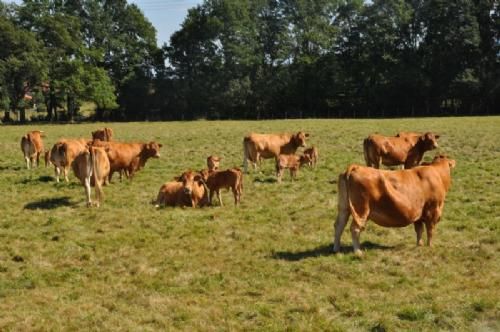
point(91, 167)
point(407, 148)
point(265, 146)
point(392, 198)
point(292, 162)
point(188, 190)
point(217, 180)
point(128, 157)
point(63, 153)
point(213, 163)
point(32, 147)
point(312, 154)
point(105, 134)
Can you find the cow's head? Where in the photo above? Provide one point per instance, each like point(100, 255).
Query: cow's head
point(305, 160)
point(213, 162)
point(189, 179)
point(151, 150)
point(300, 138)
point(440, 158)
point(429, 141)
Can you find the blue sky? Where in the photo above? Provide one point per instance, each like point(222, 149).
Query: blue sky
point(165, 15)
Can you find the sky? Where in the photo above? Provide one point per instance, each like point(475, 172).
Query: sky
point(165, 15)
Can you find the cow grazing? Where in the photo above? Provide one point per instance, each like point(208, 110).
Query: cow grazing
point(229, 179)
point(213, 163)
point(105, 134)
point(312, 154)
point(128, 157)
point(392, 198)
point(265, 146)
point(32, 147)
point(63, 153)
point(292, 162)
point(92, 167)
point(187, 190)
point(404, 149)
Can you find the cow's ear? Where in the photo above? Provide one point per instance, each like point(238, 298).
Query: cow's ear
point(307, 135)
point(437, 136)
point(452, 163)
point(178, 178)
point(160, 145)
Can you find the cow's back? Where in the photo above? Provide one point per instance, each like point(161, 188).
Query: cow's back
point(268, 145)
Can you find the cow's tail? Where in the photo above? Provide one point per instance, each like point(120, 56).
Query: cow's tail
point(245, 153)
point(96, 174)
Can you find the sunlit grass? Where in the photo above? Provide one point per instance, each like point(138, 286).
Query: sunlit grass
point(266, 265)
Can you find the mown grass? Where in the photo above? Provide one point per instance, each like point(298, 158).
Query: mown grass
point(266, 265)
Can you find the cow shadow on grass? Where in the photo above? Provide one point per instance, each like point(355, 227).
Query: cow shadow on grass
point(265, 179)
point(49, 203)
point(325, 250)
point(42, 178)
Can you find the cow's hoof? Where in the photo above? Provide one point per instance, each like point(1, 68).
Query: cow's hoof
point(89, 204)
point(358, 253)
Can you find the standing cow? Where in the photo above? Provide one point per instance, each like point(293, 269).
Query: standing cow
point(392, 198)
point(105, 134)
point(265, 146)
point(406, 148)
point(63, 153)
point(32, 147)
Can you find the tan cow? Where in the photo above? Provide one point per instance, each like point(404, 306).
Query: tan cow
point(91, 167)
point(32, 147)
point(392, 198)
point(187, 190)
point(265, 146)
point(213, 163)
point(105, 134)
point(217, 180)
point(128, 157)
point(292, 162)
point(313, 154)
point(63, 153)
point(404, 149)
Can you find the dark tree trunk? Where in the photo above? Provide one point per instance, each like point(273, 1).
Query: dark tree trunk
point(6, 117)
point(22, 114)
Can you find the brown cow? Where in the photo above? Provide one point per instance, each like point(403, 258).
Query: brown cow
point(292, 162)
point(265, 146)
point(105, 134)
point(405, 149)
point(213, 163)
point(188, 190)
point(312, 154)
point(46, 157)
point(392, 198)
point(64, 152)
point(91, 167)
point(217, 180)
point(32, 147)
point(128, 157)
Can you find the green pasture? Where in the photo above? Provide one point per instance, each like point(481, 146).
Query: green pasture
point(266, 265)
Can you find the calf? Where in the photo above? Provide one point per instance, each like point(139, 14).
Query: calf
point(188, 190)
point(91, 167)
point(312, 154)
point(217, 180)
point(63, 153)
point(407, 148)
point(392, 198)
point(105, 134)
point(32, 147)
point(292, 162)
point(265, 146)
point(213, 163)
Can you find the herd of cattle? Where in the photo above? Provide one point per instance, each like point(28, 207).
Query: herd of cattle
point(391, 198)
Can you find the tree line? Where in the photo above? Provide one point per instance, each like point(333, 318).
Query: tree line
point(260, 59)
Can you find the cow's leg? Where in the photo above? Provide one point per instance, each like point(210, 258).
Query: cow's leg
point(235, 194)
point(429, 227)
point(65, 172)
point(355, 232)
point(27, 160)
point(419, 229)
point(343, 213)
point(210, 197)
point(38, 159)
point(219, 197)
point(57, 170)
point(87, 190)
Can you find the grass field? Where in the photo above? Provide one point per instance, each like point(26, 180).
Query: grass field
point(266, 265)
